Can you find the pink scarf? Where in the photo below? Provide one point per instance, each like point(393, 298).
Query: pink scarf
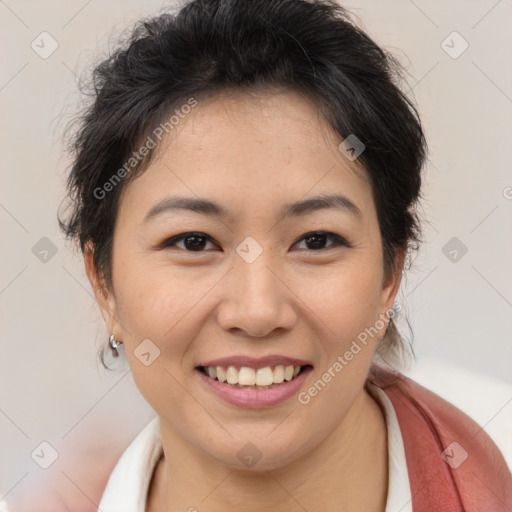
point(453, 464)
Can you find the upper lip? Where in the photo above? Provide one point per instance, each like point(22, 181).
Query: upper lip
point(254, 362)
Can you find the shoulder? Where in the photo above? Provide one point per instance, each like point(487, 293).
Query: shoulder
point(486, 400)
point(445, 388)
point(447, 451)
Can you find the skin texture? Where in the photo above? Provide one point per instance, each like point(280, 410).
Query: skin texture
point(252, 154)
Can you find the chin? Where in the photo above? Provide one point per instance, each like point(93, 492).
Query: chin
point(259, 455)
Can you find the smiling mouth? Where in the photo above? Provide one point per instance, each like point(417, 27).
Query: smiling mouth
point(251, 378)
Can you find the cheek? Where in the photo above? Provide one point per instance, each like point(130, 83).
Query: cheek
point(348, 296)
point(154, 297)
point(348, 306)
point(158, 334)
point(165, 306)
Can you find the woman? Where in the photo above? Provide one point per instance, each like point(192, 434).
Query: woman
point(222, 146)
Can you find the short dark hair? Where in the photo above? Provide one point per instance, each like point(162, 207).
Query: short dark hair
point(212, 46)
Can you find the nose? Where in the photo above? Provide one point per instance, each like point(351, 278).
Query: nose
point(256, 299)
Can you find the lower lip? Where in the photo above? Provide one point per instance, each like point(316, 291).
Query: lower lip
point(255, 398)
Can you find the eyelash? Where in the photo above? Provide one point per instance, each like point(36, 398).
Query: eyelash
point(338, 240)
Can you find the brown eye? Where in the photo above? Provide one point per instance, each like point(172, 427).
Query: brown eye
point(316, 240)
point(196, 242)
point(192, 242)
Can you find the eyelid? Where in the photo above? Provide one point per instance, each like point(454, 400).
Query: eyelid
point(179, 238)
point(339, 240)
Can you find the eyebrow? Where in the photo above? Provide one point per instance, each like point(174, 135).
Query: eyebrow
point(299, 208)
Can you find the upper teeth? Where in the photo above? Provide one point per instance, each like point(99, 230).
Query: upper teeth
point(249, 376)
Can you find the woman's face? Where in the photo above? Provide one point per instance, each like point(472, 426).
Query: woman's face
point(251, 283)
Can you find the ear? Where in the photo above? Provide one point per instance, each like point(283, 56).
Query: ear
point(105, 298)
point(391, 286)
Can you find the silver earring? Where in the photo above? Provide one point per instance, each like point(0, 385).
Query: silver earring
point(114, 344)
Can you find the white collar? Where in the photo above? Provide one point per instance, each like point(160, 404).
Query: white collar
point(128, 484)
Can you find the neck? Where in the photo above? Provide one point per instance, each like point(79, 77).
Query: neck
point(334, 476)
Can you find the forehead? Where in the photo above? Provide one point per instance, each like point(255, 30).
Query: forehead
point(252, 150)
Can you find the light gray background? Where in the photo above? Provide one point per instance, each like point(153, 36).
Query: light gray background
point(50, 386)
